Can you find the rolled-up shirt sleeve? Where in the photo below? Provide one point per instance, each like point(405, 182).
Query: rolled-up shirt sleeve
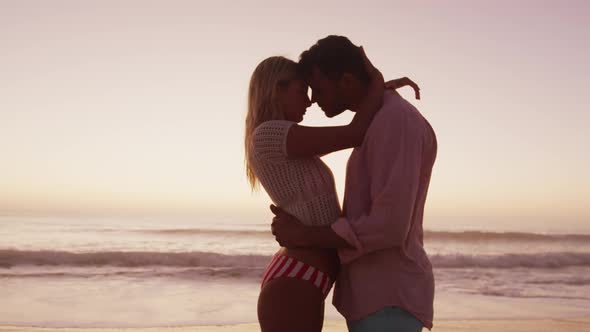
point(394, 156)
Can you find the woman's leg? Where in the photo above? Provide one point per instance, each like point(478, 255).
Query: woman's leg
point(385, 320)
point(289, 304)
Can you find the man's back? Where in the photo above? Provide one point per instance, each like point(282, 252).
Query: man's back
point(386, 187)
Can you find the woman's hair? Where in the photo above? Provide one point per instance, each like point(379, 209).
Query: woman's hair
point(263, 103)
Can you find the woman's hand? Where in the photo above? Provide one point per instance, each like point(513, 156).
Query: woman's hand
point(401, 82)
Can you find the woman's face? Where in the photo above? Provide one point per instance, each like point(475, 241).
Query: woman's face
point(294, 100)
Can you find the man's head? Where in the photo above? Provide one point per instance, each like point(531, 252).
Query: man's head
point(335, 70)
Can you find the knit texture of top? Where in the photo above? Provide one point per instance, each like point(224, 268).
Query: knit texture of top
point(303, 187)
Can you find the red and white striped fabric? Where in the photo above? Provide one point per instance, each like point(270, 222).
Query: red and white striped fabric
point(289, 267)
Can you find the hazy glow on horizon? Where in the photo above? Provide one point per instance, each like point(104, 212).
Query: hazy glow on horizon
point(139, 106)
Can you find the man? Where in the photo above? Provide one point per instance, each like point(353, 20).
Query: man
point(386, 281)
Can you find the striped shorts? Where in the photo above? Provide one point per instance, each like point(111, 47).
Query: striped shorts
point(289, 267)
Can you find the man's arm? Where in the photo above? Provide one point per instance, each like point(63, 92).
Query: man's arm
point(394, 160)
point(290, 233)
point(325, 237)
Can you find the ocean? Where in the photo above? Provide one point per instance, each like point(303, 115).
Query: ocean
point(92, 272)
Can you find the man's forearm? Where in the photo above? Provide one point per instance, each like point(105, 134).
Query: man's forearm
point(325, 237)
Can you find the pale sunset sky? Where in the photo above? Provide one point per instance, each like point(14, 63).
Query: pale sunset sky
point(137, 107)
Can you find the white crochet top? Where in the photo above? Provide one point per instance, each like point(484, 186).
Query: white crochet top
point(303, 187)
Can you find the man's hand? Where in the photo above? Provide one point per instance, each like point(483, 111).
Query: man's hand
point(288, 230)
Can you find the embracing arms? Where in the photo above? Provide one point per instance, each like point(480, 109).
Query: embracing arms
point(394, 161)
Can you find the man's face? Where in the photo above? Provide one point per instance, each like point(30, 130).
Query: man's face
point(326, 93)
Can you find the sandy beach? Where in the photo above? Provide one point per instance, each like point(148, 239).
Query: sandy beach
point(581, 324)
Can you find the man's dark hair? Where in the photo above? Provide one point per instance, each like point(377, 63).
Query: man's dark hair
point(334, 56)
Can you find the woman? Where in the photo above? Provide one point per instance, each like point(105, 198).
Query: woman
point(283, 157)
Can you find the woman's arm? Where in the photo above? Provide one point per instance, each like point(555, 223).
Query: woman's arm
point(311, 141)
point(401, 82)
point(317, 141)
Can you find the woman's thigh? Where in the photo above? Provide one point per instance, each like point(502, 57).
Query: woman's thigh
point(288, 304)
point(388, 319)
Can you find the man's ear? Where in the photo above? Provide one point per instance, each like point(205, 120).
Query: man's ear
point(346, 81)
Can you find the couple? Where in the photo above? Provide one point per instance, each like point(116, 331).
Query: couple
point(372, 249)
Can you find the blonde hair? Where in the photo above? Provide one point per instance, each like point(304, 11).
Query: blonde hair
point(263, 102)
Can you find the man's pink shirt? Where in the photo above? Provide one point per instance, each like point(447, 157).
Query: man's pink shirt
point(387, 182)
